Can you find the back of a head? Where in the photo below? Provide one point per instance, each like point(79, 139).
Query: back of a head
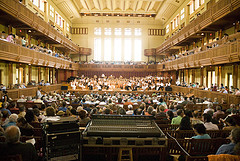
point(50, 111)
point(121, 111)
point(13, 117)
point(179, 112)
point(21, 108)
point(130, 107)
point(200, 128)
point(207, 117)
point(12, 134)
point(150, 109)
point(235, 134)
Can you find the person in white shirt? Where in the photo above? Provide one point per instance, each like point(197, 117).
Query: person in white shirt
point(130, 110)
point(207, 122)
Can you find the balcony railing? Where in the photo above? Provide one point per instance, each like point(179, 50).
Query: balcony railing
point(17, 53)
point(226, 53)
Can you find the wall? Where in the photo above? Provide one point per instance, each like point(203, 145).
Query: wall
point(121, 22)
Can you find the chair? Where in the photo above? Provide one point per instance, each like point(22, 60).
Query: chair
point(223, 157)
point(16, 157)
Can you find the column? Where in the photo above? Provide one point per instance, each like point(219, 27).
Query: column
point(24, 74)
point(46, 74)
point(201, 74)
point(39, 74)
point(29, 73)
point(193, 75)
point(235, 75)
point(10, 74)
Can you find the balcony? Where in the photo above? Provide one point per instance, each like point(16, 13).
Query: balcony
point(226, 52)
point(16, 53)
point(18, 15)
point(222, 9)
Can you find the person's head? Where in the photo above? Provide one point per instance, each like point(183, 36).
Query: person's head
point(82, 114)
point(121, 111)
point(195, 114)
point(180, 112)
point(50, 111)
point(170, 114)
point(207, 117)
point(188, 113)
point(130, 107)
point(13, 118)
point(230, 121)
point(21, 121)
point(199, 129)
point(185, 123)
point(235, 135)
point(12, 134)
point(107, 111)
point(21, 108)
point(218, 108)
point(150, 109)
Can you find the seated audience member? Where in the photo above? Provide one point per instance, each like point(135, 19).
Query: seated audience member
point(25, 128)
point(149, 111)
point(13, 146)
point(4, 108)
point(177, 120)
point(12, 121)
point(170, 115)
point(185, 124)
point(22, 99)
point(200, 131)
point(160, 112)
point(121, 111)
point(218, 112)
point(84, 119)
point(22, 112)
point(50, 114)
point(130, 110)
point(30, 116)
point(207, 122)
point(195, 119)
point(64, 107)
point(209, 107)
point(230, 123)
point(234, 146)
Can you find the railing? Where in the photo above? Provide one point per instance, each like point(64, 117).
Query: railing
point(20, 12)
point(17, 53)
point(225, 53)
point(32, 91)
point(209, 94)
point(115, 67)
point(219, 10)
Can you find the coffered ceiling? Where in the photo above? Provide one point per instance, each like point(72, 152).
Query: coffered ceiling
point(159, 9)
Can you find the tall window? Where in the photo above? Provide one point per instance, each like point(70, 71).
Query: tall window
point(197, 4)
point(68, 27)
point(35, 2)
point(127, 49)
point(41, 5)
point(191, 7)
point(59, 20)
point(51, 11)
point(97, 49)
point(107, 31)
point(137, 31)
point(128, 31)
point(118, 31)
point(97, 31)
point(182, 14)
point(107, 49)
point(117, 44)
point(117, 49)
point(137, 50)
point(167, 28)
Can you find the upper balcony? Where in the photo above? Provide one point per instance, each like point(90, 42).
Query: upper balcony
point(227, 51)
point(214, 18)
point(19, 16)
point(16, 53)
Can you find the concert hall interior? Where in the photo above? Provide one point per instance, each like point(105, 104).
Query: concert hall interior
point(115, 80)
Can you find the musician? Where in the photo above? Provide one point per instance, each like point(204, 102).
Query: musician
point(73, 85)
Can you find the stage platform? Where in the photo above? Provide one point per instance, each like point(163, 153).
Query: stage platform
point(149, 92)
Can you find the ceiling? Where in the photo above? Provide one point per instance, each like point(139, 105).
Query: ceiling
point(159, 9)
